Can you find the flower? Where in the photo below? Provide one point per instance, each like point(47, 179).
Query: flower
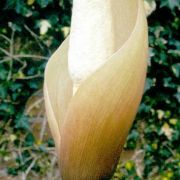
point(90, 127)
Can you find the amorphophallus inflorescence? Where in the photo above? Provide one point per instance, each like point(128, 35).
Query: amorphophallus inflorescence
point(93, 85)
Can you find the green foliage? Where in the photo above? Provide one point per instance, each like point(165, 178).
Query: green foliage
point(27, 39)
point(30, 30)
point(172, 4)
point(157, 127)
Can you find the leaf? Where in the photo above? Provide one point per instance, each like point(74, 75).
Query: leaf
point(3, 91)
point(176, 69)
point(44, 3)
point(22, 122)
point(14, 26)
point(30, 2)
point(177, 96)
point(149, 83)
point(19, 6)
point(3, 72)
point(160, 114)
point(167, 131)
point(174, 53)
point(7, 108)
point(143, 108)
point(133, 135)
point(170, 4)
point(29, 139)
point(44, 26)
point(167, 82)
point(10, 4)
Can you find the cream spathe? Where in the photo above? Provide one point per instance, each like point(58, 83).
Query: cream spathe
point(91, 126)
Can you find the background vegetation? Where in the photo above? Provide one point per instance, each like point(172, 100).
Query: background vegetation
point(30, 30)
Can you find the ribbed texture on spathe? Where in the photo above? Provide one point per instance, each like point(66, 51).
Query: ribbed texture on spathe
point(91, 126)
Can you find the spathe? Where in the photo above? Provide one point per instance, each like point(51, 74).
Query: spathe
point(90, 128)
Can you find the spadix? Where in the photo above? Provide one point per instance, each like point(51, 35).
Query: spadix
point(92, 38)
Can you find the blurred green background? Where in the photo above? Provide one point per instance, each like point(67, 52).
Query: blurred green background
point(30, 31)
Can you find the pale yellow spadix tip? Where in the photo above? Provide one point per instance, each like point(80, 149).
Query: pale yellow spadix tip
point(91, 38)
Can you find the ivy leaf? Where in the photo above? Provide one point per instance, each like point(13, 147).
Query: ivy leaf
point(30, 2)
point(149, 83)
point(3, 73)
point(29, 140)
point(170, 4)
point(143, 108)
point(10, 4)
point(22, 122)
point(14, 26)
point(177, 96)
point(15, 4)
point(3, 91)
point(167, 131)
point(19, 6)
point(176, 69)
point(167, 82)
point(7, 108)
point(44, 3)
